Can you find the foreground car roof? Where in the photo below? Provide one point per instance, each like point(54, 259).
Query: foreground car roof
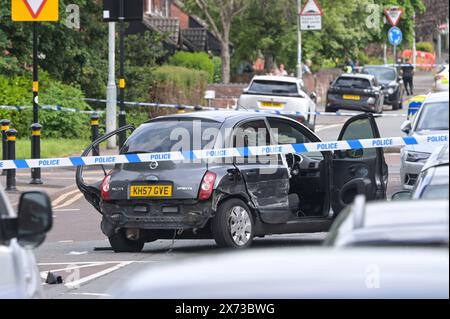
point(218, 116)
point(297, 273)
point(437, 97)
point(438, 158)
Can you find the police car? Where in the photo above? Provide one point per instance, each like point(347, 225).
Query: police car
point(236, 198)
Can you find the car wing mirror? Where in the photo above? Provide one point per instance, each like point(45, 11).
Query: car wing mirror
point(402, 195)
point(245, 90)
point(35, 218)
point(313, 96)
point(406, 127)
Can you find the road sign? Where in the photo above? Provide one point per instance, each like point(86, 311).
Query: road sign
point(395, 36)
point(311, 16)
point(394, 15)
point(34, 10)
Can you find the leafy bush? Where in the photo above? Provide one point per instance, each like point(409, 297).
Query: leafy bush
point(175, 84)
point(425, 46)
point(197, 61)
point(16, 91)
point(217, 69)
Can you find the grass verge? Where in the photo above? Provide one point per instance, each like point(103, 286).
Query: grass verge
point(52, 147)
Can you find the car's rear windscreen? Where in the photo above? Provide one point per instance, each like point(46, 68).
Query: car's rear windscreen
point(273, 88)
point(173, 136)
point(356, 83)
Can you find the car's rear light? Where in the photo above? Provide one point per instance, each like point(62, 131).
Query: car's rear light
point(105, 187)
point(207, 185)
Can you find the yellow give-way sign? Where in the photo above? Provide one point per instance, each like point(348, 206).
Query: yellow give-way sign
point(35, 10)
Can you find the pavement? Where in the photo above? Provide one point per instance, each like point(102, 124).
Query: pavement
point(77, 250)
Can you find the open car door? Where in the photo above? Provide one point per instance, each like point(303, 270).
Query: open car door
point(92, 192)
point(359, 171)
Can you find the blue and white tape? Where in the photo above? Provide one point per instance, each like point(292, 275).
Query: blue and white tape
point(211, 154)
point(50, 108)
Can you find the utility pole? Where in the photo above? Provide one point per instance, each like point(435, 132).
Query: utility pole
point(122, 113)
point(299, 51)
point(414, 49)
point(111, 92)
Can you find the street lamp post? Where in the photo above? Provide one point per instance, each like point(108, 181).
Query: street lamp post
point(299, 50)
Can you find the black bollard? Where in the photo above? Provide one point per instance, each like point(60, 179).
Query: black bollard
point(4, 127)
point(11, 136)
point(95, 121)
point(36, 130)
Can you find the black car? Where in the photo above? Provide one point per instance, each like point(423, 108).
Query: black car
point(232, 199)
point(392, 84)
point(360, 92)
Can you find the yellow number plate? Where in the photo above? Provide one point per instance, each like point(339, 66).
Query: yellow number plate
point(139, 191)
point(272, 105)
point(352, 97)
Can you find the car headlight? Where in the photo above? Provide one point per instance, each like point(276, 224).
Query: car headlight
point(391, 91)
point(417, 157)
point(371, 100)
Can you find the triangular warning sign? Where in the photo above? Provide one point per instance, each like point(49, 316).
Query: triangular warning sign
point(35, 7)
point(311, 8)
point(393, 15)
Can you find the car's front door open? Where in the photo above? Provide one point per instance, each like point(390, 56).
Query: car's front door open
point(358, 171)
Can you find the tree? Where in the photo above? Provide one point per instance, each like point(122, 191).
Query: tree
point(220, 15)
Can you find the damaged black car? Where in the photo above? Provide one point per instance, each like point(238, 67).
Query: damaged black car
point(231, 200)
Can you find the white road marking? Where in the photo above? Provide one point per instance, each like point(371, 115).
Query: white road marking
point(74, 266)
point(77, 253)
point(81, 281)
point(96, 262)
point(69, 202)
point(65, 241)
point(61, 198)
point(67, 210)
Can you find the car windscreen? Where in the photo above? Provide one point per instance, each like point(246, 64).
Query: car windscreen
point(434, 117)
point(435, 192)
point(274, 88)
point(173, 136)
point(356, 83)
point(382, 74)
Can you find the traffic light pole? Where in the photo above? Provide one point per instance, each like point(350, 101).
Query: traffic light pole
point(122, 113)
point(35, 143)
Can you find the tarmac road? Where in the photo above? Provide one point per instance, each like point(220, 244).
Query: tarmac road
point(77, 251)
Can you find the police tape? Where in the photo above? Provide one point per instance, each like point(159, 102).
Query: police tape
point(50, 108)
point(212, 154)
point(278, 112)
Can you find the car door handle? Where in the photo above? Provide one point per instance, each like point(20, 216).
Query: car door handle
point(252, 172)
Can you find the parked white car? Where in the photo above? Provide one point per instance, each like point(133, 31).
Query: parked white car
point(441, 79)
point(432, 118)
point(280, 93)
point(19, 233)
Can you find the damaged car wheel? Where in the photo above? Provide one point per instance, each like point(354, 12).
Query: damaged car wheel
point(233, 225)
point(121, 244)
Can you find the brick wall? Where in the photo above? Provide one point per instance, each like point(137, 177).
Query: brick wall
point(175, 11)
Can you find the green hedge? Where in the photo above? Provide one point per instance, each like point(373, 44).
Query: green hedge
point(425, 46)
point(179, 85)
point(16, 91)
point(196, 61)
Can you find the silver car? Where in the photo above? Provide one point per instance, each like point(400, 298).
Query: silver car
point(19, 233)
point(280, 93)
point(432, 118)
point(433, 180)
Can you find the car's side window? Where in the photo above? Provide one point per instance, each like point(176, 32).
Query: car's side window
point(285, 132)
point(359, 129)
point(252, 134)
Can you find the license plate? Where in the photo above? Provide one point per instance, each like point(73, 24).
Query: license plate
point(140, 191)
point(352, 97)
point(272, 105)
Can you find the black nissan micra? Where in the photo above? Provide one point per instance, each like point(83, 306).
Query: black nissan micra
point(231, 200)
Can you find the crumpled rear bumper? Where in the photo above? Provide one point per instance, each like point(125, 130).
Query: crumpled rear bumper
point(180, 214)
